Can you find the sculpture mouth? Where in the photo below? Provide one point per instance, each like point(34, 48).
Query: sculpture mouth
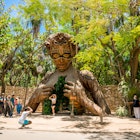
point(62, 67)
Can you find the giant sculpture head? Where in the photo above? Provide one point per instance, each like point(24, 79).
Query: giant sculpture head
point(61, 49)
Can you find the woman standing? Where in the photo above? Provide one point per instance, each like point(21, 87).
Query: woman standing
point(53, 100)
point(136, 106)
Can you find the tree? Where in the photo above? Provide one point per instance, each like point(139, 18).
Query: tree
point(115, 30)
point(107, 33)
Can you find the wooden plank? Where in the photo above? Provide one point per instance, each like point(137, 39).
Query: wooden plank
point(72, 97)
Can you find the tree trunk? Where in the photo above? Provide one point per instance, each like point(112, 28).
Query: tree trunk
point(2, 83)
point(134, 63)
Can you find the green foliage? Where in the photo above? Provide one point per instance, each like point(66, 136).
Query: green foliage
point(121, 111)
point(105, 31)
point(59, 87)
point(1, 6)
point(127, 90)
point(46, 107)
point(124, 88)
point(33, 9)
point(88, 57)
point(5, 36)
point(133, 90)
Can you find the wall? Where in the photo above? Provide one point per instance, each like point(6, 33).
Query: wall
point(112, 96)
point(21, 92)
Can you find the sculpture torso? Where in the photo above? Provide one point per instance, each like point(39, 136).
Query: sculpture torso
point(70, 73)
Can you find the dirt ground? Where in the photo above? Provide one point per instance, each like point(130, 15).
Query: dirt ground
point(63, 127)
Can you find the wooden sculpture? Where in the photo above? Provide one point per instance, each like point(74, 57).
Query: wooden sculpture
point(82, 88)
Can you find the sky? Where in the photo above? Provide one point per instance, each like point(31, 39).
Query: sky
point(9, 3)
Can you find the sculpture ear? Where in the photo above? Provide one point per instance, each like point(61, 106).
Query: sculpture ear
point(47, 44)
point(74, 49)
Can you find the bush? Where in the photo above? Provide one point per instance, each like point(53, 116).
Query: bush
point(121, 111)
point(132, 91)
point(47, 107)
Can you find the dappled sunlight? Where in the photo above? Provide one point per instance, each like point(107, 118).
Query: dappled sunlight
point(114, 136)
point(85, 122)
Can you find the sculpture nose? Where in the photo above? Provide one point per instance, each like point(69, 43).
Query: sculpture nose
point(61, 50)
point(61, 59)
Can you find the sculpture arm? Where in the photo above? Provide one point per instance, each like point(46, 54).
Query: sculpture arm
point(41, 92)
point(90, 83)
point(78, 90)
point(39, 95)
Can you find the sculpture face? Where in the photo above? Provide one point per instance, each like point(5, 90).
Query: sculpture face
point(61, 57)
point(61, 50)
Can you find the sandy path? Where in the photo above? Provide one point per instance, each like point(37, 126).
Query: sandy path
point(65, 128)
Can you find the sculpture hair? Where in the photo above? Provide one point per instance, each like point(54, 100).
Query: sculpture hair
point(61, 39)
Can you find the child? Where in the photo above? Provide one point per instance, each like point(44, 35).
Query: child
point(22, 119)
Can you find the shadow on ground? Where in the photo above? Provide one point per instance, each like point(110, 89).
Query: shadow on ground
point(114, 136)
point(85, 123)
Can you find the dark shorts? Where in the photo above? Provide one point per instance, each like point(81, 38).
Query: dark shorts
point(53, 104)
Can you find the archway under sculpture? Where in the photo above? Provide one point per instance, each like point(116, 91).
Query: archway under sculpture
point(81, 87)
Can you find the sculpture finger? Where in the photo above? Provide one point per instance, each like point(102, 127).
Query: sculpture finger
point(67, 94)
point(41, 86)
point(70, 88)
point(70, 83)
point(78, 83)
point(43, 94)
point(67, 91)
point(46, 89)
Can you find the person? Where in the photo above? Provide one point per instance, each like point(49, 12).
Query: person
point(2, 103)
point(79, 83)
point(22, 120)
point(136, 107)
point(12, 101)
point(53, 103)
point(18, 105)
point(8, 106)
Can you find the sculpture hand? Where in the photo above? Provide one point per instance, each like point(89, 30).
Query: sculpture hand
point(73, 88)
point(41, 93)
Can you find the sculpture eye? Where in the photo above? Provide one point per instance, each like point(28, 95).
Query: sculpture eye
point(56, 42)
point(64, 42)
point(55, 55)
point(66, 55)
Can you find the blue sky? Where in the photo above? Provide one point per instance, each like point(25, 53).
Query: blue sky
point(9, 3)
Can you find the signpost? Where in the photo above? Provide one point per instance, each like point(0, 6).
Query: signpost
point(72, 98)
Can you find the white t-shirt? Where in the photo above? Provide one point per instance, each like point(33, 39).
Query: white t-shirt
point(53, 100)
point(1, 99)
point(23, 116)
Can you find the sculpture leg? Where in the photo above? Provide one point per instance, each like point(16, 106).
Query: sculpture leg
point(101, 119)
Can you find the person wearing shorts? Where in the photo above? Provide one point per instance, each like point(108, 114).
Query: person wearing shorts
point(22, 120)
point(53, 100)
